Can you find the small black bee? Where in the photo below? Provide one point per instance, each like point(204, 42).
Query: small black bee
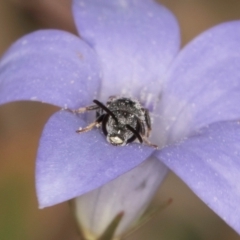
point(123, 120)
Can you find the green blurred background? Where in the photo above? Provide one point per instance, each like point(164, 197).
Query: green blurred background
point(187, 218)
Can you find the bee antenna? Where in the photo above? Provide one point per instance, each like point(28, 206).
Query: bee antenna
point(134, 132)
point(101, 105)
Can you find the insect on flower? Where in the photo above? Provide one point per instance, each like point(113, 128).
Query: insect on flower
point(123, 120)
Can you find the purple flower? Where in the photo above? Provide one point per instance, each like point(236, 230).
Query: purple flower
point(132, 48)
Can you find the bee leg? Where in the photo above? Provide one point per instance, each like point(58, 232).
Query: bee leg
point(148, 143)
point(97, 124)
point(85, 109)
point(89, 127)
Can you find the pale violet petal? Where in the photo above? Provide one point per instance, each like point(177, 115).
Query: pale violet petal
point(50, 66)
point(70, 164)
point(209, 163)
point(203, 84)
point(135, 40)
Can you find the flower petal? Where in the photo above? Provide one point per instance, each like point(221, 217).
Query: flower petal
point(70, 164)
point(203, 84)
point(209, 163)
point(50, 66)
point(135, 41)
point(95, 210)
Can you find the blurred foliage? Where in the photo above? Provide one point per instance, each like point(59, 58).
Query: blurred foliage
point(13, 208)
